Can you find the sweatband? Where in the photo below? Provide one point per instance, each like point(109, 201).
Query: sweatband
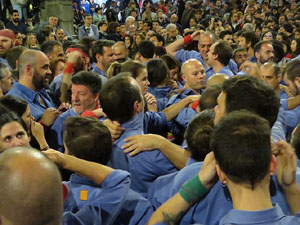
point(188, 39)
point(193, 190)
point(69, 67)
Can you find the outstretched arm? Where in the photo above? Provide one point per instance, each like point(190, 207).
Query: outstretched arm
point(138, 143)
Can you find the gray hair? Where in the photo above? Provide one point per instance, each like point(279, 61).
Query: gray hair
point(3, 67)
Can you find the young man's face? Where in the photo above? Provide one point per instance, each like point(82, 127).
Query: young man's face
point(293, 88)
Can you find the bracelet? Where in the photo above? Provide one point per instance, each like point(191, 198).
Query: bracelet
point(69, 67)
point(188, 39)
point(193, 190)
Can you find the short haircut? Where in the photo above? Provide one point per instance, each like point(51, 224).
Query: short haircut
point(170, 26)
point(242, 147)
point(15, 11)
point(86, 15)
point(242, 49)
point(3, 67)
point(250, 37)
point(249, 93)
point(117, 98)
point(101, 23)
point(224, 52)
point(209, 97)
point(14, 104)
point(199, 133)
point(89, 79)
point(288, 27)
point(133, 67)
point(292, 70)
point(146, 49)
point(88, 139)
point(48, 46)
point(259, 44)
point(158, 72)
point(98, 47)
point(159, 38)
point(275, 67)
point(224, 33)
point(13, 54)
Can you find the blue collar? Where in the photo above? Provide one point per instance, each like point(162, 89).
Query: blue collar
point(136, 123)
point(30, 94)
point(253, 217)
point(99, 71)
point(82, 180)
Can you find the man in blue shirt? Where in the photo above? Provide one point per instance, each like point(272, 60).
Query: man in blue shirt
point(85, 94)
point(122, 101)
point(245, 167)
point(219, 56)
point(102, 53)
point(34, 76)
point(206, 40)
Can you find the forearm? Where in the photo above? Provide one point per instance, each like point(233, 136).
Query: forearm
point(168, 213)
point(177, 155)
point(175, 46)
point(94, 171)
point(65, 86)
point(292, 195)
point(172, 111)
point(293, 102)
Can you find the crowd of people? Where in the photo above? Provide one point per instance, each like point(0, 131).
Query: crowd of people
point(167, 112)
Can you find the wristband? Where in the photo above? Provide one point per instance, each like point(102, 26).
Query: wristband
point(193, 190)
point(188, 39)
point(69, 67)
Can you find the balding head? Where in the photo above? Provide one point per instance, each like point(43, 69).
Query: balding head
point(27, 58)
point(120, 51)
point(30, 188)
point(217, 79)
point(193, 74)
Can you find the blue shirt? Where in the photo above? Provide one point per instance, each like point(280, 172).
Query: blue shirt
point(279, 128)
point(88, 215)
point(109, 197)
point(55, 87)
point(178, 125)
point(55, 134)
point(161, 95)
point(184, 55)
point(155, 123)
point(273, 216)
point(32, 97)
point(144, 167)
point(102, 75)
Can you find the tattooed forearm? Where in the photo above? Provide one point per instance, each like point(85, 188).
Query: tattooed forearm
point(172, 219)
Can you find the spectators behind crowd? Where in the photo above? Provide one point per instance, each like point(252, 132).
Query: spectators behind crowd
point(146, 70)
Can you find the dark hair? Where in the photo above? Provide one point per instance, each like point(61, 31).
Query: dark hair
point(15, 11)
point(48, 46)
point(158, 72)
point(3, 67)
point(258, 45)
point(89, 79)
point(13, 54)
point(249, 93)
point(288, 27)
point(171, 61)
point(297, 52)
point(242, 147)
point(146, 49)
point(209, 97)
point(101, 23)
point(98, 47)
point(112, 27)
point(117, 98)
point(14, 104)
point(88, 139)
point(292, 70)
point(224, 52)
point(224, 33)
point(278, 50)
point(272, 32)
point(199, 133)
point(159, 38)
point(250, 37)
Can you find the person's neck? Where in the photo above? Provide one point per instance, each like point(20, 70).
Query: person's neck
point(244, 198)
point(205, 61)
point(27, 84)
point(101, 67)
point(217, 67)
point(15, 23)
point(87, 25)
point(194, 90)
point(277, 89)
point(143, 60)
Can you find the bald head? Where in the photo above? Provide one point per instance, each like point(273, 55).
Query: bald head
point(28, 57)
point(29, 184)
point(217, 79)
point(120, 51)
